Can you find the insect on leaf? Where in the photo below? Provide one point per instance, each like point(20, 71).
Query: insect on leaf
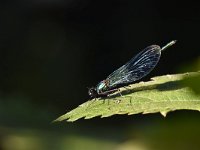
point(162, 94)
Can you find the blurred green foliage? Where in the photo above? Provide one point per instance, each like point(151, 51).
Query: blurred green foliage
point(194, 81)
point(179, 133)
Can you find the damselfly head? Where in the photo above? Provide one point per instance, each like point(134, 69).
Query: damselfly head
point(92, 92)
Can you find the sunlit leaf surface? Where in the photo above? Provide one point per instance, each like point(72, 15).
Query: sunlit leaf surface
point(162, 94)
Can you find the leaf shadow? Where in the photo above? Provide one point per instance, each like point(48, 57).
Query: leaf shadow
point(171, 85)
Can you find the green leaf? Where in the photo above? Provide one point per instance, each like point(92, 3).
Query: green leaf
point(162, 94)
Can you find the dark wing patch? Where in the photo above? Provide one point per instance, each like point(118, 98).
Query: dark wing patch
point(138, 67)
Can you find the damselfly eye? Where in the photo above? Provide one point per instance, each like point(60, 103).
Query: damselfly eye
point(92, 92)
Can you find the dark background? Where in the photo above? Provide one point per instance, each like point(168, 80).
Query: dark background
point(52, 50)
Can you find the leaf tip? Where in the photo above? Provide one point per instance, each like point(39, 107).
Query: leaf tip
point(54, 121)
point(57, 120)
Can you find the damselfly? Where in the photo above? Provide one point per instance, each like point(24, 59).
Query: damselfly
point(135, 69)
